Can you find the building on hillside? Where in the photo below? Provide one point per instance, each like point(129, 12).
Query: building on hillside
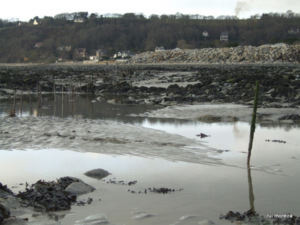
point(224, 36)
point(159, 49)
point(79, 20)
point(66, 48)
point(123, 55)
point(80, 53)
point(205, 34)
point(294, 31)
point(35, 22)
point(38, 44)
point(101, 54)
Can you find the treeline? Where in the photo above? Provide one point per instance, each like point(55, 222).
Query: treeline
point(53, 38)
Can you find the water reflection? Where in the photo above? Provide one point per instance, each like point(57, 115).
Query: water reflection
point(73, 105)
point(251, 192)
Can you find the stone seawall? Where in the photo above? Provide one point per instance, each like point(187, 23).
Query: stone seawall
point(279, 53)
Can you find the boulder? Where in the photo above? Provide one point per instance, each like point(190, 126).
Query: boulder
point(54, 196)
point(97, 173)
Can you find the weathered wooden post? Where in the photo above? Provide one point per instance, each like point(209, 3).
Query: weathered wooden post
point(21, 103)
point(252, 129)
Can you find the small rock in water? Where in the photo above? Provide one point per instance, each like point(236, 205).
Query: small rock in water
point(276, 141)
point(97, 173)
point(202, 135)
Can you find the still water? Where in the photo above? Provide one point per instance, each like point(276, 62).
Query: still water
point(208, 190)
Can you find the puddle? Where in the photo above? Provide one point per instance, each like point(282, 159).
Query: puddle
point(272, 145)
point(207, 190)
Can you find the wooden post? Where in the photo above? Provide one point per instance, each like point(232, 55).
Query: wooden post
point(14, 105)
point(39, 99)
point(21, 104)
point(252, 129)
point(54, 90)
point(30, 103)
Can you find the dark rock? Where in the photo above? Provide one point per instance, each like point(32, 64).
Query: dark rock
point(64, 182)
point(4, 188)
point(174, 88)
point(294, 117)
point(162, 190)
point(4, 213)
point(50, 196)
point(132, 182)
point(97, 173)
point(202, 135)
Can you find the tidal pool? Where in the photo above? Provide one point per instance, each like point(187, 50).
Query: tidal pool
point(208, 190)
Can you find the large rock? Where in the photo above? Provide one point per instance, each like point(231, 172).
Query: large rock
point(79, 188)
point(54, 196)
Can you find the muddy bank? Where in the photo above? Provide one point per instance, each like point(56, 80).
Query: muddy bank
point(161, 84)
point(212, 113)
point(98, 136)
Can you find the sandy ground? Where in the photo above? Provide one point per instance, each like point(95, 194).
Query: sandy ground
point(99, 136)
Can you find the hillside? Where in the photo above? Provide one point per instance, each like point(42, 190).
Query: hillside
point(78, 36)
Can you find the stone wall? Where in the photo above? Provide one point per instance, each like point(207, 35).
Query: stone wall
point(279, 53)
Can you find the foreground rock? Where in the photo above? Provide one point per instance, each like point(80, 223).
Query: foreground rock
point(54, 196)
point(4, 213)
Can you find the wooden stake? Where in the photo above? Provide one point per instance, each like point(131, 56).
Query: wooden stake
point(21, 104)
point(252, 129)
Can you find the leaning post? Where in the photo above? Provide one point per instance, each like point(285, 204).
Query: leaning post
point(252, 129)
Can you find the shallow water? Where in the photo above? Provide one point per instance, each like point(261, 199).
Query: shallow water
point(207, 190)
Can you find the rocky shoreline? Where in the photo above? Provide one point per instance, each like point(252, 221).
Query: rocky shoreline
point(161, 84)
point(278, 53)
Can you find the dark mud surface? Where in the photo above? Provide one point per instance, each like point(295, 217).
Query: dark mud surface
point(161, 84)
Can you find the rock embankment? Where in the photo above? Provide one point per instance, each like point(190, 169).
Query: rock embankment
point(279, 53)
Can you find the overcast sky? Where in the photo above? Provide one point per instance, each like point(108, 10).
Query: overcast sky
point(27, 9)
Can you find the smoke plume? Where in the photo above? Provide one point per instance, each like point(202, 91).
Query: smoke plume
point(242, 6)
